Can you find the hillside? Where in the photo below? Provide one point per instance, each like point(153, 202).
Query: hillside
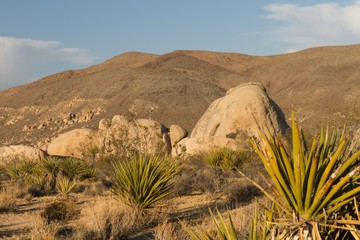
point(321, 84)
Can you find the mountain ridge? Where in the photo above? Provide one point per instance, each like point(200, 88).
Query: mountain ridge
point(321, 84)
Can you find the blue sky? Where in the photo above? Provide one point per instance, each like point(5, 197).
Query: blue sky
point(41, 37)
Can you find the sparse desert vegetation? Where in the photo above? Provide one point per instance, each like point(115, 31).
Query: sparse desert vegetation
point(137, 197)
point(301, 192)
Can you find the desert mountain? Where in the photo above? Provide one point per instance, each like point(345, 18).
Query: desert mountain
point(321, 84)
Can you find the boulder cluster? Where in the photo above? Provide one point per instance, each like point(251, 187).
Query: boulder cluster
point(244, 111)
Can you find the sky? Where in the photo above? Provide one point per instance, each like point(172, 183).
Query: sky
point(43, 37)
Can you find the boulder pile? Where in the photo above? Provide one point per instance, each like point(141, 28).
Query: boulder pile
point(228, 122)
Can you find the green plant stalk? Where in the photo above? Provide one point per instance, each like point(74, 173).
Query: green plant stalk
point(311, 179)
point(330, 165)
point(349, 162)
point(316, 208)
point(268, 166)
point(298, 166)
point(288, 167)
point(278, 177)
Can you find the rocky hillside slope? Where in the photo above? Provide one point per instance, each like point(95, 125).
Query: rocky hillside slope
point(322, 85)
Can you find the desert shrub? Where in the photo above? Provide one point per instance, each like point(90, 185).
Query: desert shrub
point(90, 188)
point(170, 230)
point(106, 218)
point(239, 192)
point(30, 174)
point(195, 177)
point(60, 210)
point(7, 200)
point(311, 183)
point(142, 180)
point(225, 158)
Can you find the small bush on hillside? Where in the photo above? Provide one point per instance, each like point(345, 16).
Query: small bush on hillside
point(7, 201)
point(41, 230)
point(106, 218)
point(142, 180)
point(240, 192)
point(225, 158)
point(60, 210)
point(195, 177)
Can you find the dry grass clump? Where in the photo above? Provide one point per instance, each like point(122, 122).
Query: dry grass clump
point(107, 218)
point(170, 230)
point(7, 200)
point(240, 192)
point(41, 230)
point(195, 177)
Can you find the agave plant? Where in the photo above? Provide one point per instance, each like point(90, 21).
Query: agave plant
point(312, 184)
point(51, 166)
point(224, 231)
point(141, 180)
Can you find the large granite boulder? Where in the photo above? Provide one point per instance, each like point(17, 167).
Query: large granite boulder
point(245, 111)
point(75, 143)
point(19, 152)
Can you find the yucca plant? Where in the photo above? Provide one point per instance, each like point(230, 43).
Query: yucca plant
point(141, 181)
point(51, 166)
point(224, 231)
point(310, 184)
point(65, 185)
point(14, 171)
point(74, 168)
point(19, 170)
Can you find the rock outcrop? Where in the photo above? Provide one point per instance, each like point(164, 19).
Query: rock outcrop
point(19, 152)
point(122, 135)
point(243, 112)
point(176, 134)
point(74, 143)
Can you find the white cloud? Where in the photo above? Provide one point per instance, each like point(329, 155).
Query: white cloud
point(23, 60)
point(316, 25)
